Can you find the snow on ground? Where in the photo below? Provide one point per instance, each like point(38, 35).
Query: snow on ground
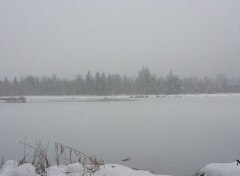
point(222, 169)
point(92, 98)
point(11, 168)
point(37, 99)
point(80, 98)
point(119, 170)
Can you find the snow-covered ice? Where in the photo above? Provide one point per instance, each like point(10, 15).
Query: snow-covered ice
point(191, 131)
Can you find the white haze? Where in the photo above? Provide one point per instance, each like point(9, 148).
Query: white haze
point(69, 37)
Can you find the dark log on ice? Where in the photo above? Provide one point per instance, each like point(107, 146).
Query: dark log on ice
point(126, 159)
point(13, 99)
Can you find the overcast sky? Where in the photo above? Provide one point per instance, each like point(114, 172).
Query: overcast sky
point(67, 37)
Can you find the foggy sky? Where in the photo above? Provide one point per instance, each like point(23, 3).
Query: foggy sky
point(69, 37)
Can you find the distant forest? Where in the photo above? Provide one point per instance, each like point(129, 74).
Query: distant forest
point(114, 84)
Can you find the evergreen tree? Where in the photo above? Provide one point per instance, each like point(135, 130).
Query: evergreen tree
point(89, 84)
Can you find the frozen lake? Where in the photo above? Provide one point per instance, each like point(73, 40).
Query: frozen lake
point(174, 136)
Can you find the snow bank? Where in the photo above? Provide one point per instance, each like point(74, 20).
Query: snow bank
point(11, 168)
point(8, 166)
point(118, 170)
point(92, 98)
point(41, 99)
point(222, 169)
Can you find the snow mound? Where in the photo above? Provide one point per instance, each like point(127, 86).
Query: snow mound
point(11, 168)
point(118, 170)
point(222, 169)
point(8, 166)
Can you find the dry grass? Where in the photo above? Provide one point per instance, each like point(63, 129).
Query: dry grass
point(38, 156)
point(90, 163)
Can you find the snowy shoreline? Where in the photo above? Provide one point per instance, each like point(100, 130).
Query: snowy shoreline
point(109, 98)
point(11, 168)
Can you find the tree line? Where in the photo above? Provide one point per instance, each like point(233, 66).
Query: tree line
point(114, 84)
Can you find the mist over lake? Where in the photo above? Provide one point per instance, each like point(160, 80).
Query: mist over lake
point(171, 135)
point(152, 87)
